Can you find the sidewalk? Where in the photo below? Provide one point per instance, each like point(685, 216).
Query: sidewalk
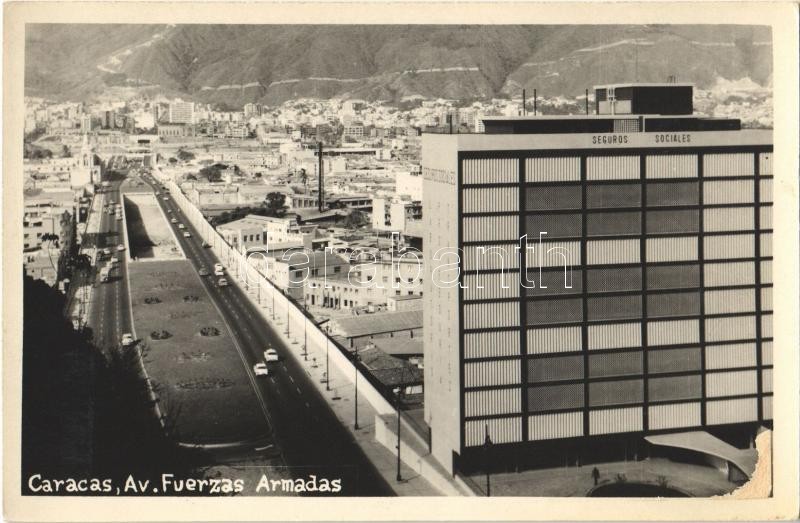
point(340, 398)
point(81, 306)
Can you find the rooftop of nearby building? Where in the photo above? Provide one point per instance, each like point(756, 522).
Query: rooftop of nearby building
point(403, 347)
point(379, 323)
point(389, 370)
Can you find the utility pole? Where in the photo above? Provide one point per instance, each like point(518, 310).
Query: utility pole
point(355, 398)
point(397, 400)
point(320, 178)
point(327, 360)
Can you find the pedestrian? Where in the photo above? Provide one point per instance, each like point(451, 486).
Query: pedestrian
point(595, 475)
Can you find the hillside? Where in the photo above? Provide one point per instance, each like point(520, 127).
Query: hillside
point(270, 64)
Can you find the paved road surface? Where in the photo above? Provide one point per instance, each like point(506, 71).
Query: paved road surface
point(312, 439)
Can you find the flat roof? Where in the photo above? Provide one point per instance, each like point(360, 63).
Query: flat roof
point(381, 322)
point(599, 141)
point(644, 84)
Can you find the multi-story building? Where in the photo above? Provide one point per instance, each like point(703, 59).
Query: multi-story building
point(395, 214)
point(181, 112)
point(616, 281)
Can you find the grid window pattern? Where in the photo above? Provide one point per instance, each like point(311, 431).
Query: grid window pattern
point(667, 283)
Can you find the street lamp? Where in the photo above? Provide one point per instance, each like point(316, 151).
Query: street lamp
point(355, 403)
point(305, 339)
point(327, 360)
point(487, 444)
point(398, 391)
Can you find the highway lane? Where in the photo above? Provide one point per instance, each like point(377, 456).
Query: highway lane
point(311, 438)
point(110, 314)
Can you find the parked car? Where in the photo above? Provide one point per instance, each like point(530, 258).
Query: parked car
point(218, 267)
point(187, 234)
point(181, 226)
point(270, 355)
point(106, 252)
point(260, 369)
point(165, 199)
point(206, 245)
point(120, 247)
point(127, 339)
point(202, 271)
point(218, 272)
point(222, 282)
point(174, 220)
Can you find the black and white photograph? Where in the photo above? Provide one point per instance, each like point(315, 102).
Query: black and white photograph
point(359, 260)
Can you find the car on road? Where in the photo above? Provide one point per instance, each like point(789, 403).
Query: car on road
point(202, 271)
point(120, 247)
point(187, 234)
point(165, 199)
point(127, 339)
point(106, 252)
point(218, 267)
point(158, 193)
point(222, 282)
point(271, 355)
point(113, 261)
point(260, 369)
point(169, 211)
point(174, 220)
point(206, 245)
point(181, 226)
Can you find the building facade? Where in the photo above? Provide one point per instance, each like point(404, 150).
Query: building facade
point(614, 282)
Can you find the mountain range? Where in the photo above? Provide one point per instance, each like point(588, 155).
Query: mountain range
point(235, 64)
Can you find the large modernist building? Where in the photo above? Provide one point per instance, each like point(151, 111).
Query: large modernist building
point(614, 279)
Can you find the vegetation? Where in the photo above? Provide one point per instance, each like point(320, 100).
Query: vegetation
point(355, 220)
point(184, 155)
point(213, 173)
point(274, 205)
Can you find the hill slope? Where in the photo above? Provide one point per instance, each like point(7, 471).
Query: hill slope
point(271, 63)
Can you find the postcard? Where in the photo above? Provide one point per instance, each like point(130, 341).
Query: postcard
point(481, 261)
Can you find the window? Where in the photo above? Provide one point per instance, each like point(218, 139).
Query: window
point(613, 223)
point(615, 308)
point(667, 194)
point(554, 311)
point(673, 276)
point(555, 397)
point(615, 392)
point(673, 360)
point(615, 364)
point(609, 196)
point(674, 388)
point(673, 304)
point(555, 225)
point(612, 280)
point(672, 221)
point(556, 368)
point(546, 198)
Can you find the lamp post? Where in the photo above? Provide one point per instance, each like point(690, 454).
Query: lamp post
point(305, 339)
point(327, 360)
point(355, 399)
point(487, 444)
point(398, 391)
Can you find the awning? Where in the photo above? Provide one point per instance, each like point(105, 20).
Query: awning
point(700, 441)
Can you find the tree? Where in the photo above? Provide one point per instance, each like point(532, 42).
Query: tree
point(275, 204)
point(65, 151)
point(355, 219)
point(184, 155)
